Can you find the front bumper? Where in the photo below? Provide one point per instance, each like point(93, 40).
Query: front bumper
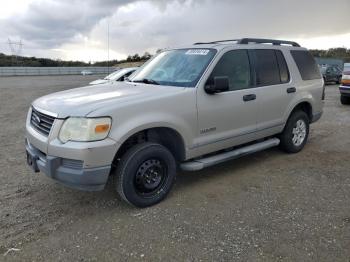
point(68, 172)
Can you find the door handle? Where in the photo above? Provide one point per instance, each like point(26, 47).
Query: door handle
point(250, 97)
point(291, 90)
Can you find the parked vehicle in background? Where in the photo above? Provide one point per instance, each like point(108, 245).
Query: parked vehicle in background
point(346, 67)
point(345, 88)
point(331, 73)
point(86, 72)
point(187, 108)
point(119, 75)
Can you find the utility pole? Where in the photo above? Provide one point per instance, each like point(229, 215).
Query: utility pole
point(16, 49)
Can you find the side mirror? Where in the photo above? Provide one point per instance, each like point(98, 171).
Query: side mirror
point(221, 84)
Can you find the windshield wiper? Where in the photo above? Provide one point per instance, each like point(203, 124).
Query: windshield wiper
point(146, 81)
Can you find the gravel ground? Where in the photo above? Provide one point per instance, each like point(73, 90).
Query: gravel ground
point(269, 206)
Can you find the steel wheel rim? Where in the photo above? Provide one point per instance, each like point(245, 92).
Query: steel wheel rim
point(150, 177)
point(299, 132)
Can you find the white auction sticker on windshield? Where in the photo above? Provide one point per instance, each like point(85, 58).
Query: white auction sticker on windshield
point(197, 52)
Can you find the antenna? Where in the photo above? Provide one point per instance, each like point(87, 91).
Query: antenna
point(16, 49)
point(108, 46)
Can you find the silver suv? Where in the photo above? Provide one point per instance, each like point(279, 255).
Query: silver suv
point(186, 108)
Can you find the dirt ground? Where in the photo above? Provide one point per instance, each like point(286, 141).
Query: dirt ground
point(269, 206)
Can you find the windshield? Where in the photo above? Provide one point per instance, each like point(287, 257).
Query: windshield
point(182, 67)
point(323, 70)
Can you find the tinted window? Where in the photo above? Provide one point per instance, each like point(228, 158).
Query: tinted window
point(234, 65)
point(284, 72)
point(306, 64)
point(267, 71)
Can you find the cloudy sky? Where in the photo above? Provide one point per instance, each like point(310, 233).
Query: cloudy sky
point(77, 30)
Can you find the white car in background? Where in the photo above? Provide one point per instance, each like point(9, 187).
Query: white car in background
point(346, 67)
point(86, 72)
point(119, 75)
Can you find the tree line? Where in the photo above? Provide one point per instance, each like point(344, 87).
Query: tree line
point(8, 60)
point(339, 53)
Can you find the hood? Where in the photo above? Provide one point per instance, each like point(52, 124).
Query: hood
point(84, 100)
point(99, 81)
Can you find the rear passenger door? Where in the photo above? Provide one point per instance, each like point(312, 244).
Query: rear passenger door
point(274, 90)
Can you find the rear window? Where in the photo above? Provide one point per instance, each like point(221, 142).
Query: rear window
point(306, 64)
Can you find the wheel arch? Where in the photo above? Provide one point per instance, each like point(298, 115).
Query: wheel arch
point(166, 136)
point(304, 106)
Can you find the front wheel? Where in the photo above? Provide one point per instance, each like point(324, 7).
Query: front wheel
point(145, 174)
point(295, 133)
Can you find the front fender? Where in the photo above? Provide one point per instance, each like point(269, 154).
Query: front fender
point(121, 132)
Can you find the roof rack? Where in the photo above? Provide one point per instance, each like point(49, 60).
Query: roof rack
point(253, 40)
point(216, 42)
point(267, 41)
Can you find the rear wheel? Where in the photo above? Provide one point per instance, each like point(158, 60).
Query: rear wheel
point(345, 100)
point(295, 133)
point(145, 174)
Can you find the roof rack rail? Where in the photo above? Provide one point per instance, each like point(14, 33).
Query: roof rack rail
point(252, 40)
point(216, 42)
point(266, 41)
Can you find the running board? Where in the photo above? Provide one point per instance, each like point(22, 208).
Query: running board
point(199, 164)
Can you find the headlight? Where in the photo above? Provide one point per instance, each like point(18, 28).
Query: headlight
point(85, 129)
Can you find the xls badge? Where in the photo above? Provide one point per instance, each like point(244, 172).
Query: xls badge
point(207, 130)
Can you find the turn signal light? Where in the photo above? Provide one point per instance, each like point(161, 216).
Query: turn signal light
point(102, 128)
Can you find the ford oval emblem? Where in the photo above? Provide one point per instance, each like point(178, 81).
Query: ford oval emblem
point(37, 118)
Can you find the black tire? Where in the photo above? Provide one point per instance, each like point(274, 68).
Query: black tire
point(145, 174)
point(345, 100)
point(287, 143)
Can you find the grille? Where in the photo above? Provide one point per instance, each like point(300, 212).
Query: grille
point(41, 122)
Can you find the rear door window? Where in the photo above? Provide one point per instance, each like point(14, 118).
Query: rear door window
point(266, 66)
point(284, 72)
point(306, 64)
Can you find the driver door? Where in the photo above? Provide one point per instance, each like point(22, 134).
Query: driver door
point(229, 118)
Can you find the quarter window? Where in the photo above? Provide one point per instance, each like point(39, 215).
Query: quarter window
point(306, 64)
point(234, 65)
